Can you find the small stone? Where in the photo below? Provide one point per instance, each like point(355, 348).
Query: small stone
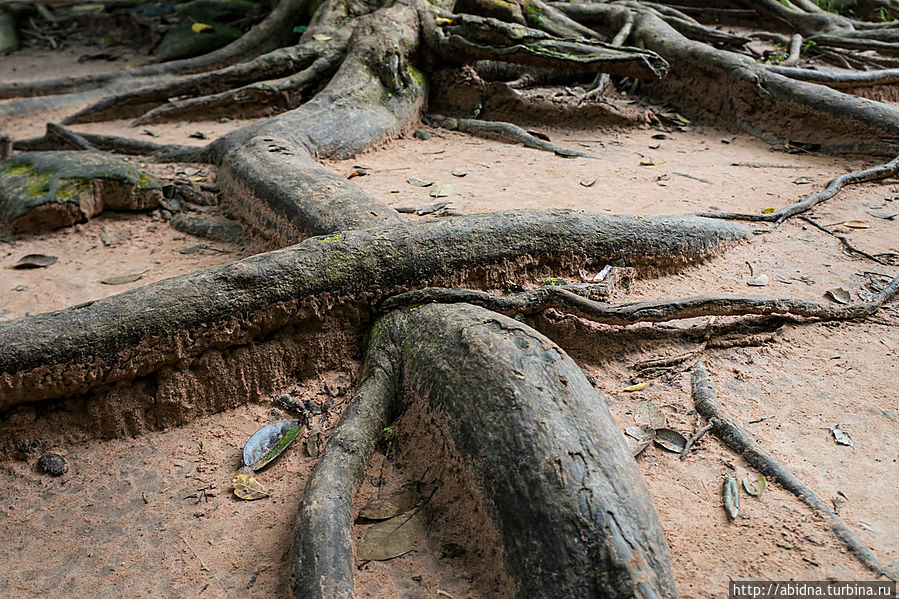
point(198, 135)
point(224, 119)
point(20, 287)
point(53, 464)
point(421, 134)
point(759, 281)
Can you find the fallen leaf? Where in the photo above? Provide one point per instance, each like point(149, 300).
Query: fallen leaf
point(768, 211)
point(883, 213)
point(640, 446)
point(660, 136)
point(682, 119)
point(802, 181)
point(123, 279)
point(190, 171)
point(399, 501)
point(839, 295)
point(841, 437)
point(757, 487)
point(587, 183)
point(641, 433)
point(758, 281)
point(35, 261)
point(444, 191)
point(200, 27)
point(669, 439)
point(392, 538)
point(637, 387)
point(419, 182)
point(248, 488)
point(109, 238)
point(729, 139)
point(431, 209)
point(319, 37)
point(649, 414)
point(151, 133)
point(856, 224)
point(647, 163)
point(731, 497)
point(268, 442)
point(458, 172)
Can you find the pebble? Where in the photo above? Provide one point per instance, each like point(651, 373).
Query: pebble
point(53, 463)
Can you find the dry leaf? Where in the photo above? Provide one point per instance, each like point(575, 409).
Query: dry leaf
point(669, 439)
point(35, 261)
point(444, 191)
point(319, 37)
point(768, 211)
point(123, 279)
point(400, 501)
point(647, 163)
point(731, 496)
point(641, 433)
point(419, 182)
point(200, 27)
point(314, 440)
point(841, 437)
point(392, 538)
point(757, 487)
point(637, 387)
point(247, 487)
point(649, 414)
point(856, 224)
point(640, 446)
point(759, 281)
point(458, 172)
point(587, 182)
point(839, 295)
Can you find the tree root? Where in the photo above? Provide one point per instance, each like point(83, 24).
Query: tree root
point(57, 138)
point(573, 514)
point(278, 63)
point(848, 245)
point(70, 352)
point(602, 80)
point(505, 131)
point(260, 38)
point(833, 188)
point(839, 80)
point(726, 429)
point(543, 298)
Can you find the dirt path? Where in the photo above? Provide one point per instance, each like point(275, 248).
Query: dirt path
point(153, 516)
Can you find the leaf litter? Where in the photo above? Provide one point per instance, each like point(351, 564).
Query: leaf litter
point(269, 442)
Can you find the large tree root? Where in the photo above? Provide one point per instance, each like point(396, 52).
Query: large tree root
point(544, 298)
point(566, 498)
point(833, 188)
point(760, 101)
point(733, 435)
point(70, 352)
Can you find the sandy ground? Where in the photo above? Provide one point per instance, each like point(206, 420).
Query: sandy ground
point(153, 516)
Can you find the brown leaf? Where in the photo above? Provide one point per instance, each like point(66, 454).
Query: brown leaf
point(248, 488)
point(669, 439)
point(35, 261)
point(123, 279)
point(392, 538)
point(399, 501)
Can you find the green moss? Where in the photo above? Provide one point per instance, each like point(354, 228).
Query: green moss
point(71, 188)
point(142, 180)
point(37, 184)
point(18, 170)
point(417, 76)
point(332, 238)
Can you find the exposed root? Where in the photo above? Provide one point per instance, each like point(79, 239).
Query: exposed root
point(792, 58)
point(113, 143)
point(250, 100)
point(543, 298)
point(848, 245)
point(505, 131)
point(839, 80)
point(279, 63)
point(69, 137)
point(261, 38)
point(733, 435)
point(573, 513)
point(696, 437)
point(602, 80)
point(876, 173)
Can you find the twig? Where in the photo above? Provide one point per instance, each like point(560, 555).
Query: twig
point(696, 437)
point(543, 298)
point(726, 429)
point(833, 188)
point(845, 242)
point(507, 131)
